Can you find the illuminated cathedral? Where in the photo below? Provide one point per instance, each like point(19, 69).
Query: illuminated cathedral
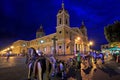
point(66, 39)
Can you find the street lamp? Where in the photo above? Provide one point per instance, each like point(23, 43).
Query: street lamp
point(77, 41)
point(8, 48)
point(78, 38)
point(90, 44)
point(12, 47)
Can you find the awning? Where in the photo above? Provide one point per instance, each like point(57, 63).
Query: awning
point(114, 49)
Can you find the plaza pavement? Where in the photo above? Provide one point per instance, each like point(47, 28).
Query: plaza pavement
point(16, 69)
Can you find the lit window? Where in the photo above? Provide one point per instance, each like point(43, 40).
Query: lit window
point(23, 45)
point(45, 49)
point(41, 41)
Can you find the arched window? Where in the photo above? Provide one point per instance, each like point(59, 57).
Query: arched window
point(60, 21)
point(60, 32)
point(60, 47)
point(66, 21)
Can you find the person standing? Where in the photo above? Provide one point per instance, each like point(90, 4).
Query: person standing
point(78, 60)
point(8, 55)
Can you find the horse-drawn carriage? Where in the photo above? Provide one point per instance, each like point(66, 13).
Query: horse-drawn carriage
point(39, 64)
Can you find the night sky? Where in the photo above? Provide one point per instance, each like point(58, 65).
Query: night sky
point(19, 19)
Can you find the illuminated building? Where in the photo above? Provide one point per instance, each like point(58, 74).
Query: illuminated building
point(69, 39)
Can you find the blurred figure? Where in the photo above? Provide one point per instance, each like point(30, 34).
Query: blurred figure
point(39, 52)
point(106, 55)
point(38, 65)
point(8, 55)
point(78, 60)
point(53, 62)
point(32, 56)
point(61, 69)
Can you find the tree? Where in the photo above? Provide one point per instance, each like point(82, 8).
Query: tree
point(112, 32)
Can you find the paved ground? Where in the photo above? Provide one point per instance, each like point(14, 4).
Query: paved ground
point(16, 69)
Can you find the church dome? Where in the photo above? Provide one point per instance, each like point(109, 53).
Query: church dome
point(83, 25)
point(40, 29)
point(40, 32)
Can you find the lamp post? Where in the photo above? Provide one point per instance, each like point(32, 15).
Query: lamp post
point(90, 44)
point(90, 61)
point(10, 49)
point(54, 45)
point(76, 41)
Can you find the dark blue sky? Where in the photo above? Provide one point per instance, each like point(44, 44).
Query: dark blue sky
point(19, 19)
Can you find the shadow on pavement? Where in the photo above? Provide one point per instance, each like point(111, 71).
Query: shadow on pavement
point(74, 73)
point(111, 72)
point(88, 70)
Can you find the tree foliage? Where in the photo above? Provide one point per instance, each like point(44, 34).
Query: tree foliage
point(112, 32)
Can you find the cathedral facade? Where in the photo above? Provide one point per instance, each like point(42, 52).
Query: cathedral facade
point(66, 40)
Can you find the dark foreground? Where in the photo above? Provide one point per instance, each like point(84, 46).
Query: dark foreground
point(16, 69)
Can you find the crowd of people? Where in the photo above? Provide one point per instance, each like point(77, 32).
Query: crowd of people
point(57, 68)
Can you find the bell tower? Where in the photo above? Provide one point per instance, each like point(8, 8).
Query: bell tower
point(63, 28)
point(62, 17)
